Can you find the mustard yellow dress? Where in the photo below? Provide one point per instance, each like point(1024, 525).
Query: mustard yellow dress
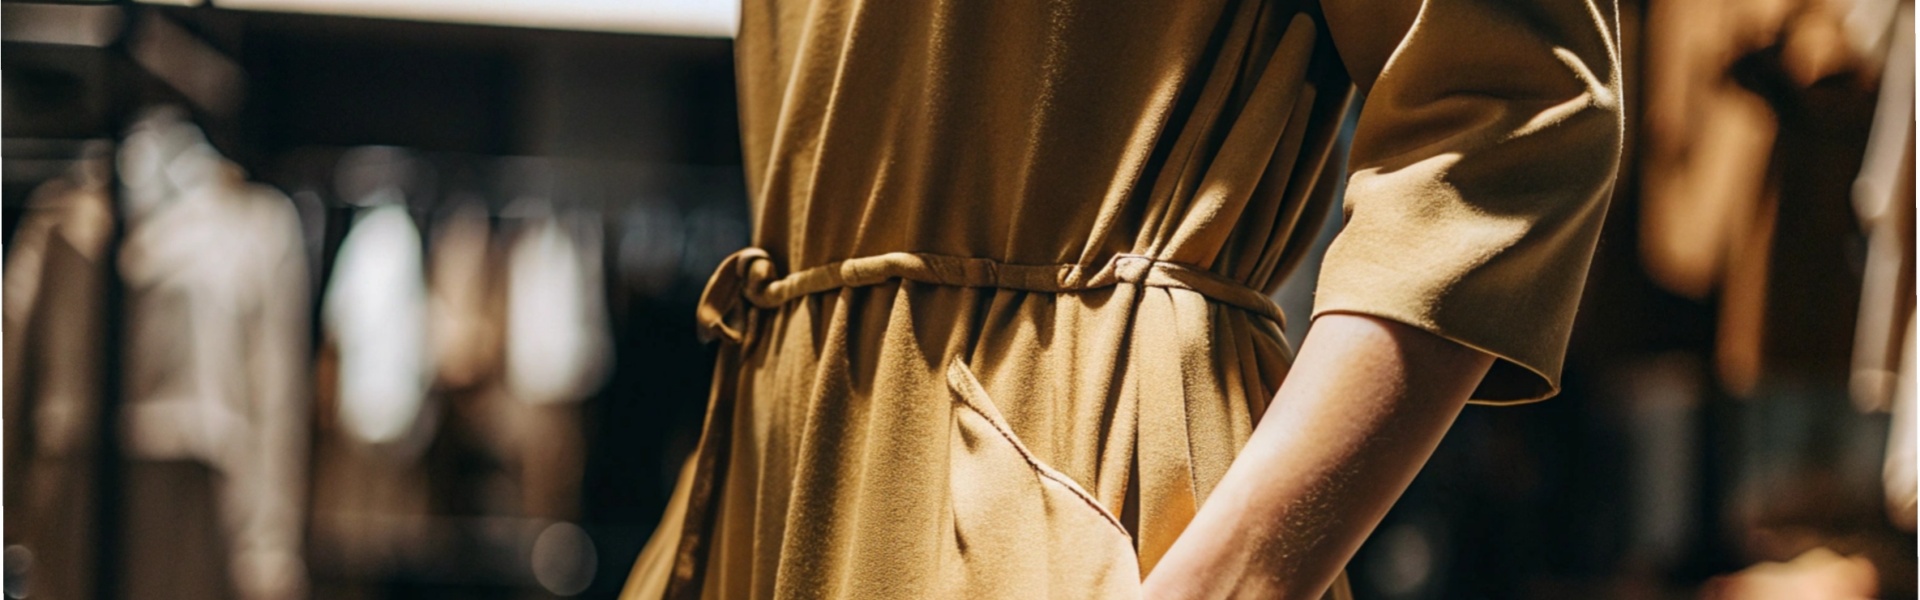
point(1006, 320)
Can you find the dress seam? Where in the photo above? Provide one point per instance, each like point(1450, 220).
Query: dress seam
point(966, 387)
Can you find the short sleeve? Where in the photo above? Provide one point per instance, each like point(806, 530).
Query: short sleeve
point(1481, 168)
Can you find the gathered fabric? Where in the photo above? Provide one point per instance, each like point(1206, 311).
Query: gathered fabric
point(1002, 500)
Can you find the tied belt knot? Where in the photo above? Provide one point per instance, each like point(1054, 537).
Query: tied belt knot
point(743, 274)
point(747, 280)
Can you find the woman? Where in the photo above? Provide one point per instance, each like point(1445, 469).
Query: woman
point(1005, 327)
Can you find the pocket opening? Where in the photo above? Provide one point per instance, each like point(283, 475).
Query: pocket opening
point(970, 395)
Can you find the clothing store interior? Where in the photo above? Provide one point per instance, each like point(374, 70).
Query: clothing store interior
point(350, 299)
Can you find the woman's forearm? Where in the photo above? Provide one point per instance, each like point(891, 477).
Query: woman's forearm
point(1364, 406)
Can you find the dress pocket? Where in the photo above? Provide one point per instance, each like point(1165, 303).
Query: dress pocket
point(1021, 528)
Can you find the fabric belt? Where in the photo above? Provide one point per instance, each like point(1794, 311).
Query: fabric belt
point(745, 283)
point(749, 275)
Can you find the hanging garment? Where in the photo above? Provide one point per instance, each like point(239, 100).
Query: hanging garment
point(558, 343)
point(463, 301)
point(375, 311)
point(375, 369)
point(55, 293)
point(1884, 203)
point(216, 373)
point(1006, 323)
point(1756, 113)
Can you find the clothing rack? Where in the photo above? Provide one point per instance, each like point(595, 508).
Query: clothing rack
point(108, 86)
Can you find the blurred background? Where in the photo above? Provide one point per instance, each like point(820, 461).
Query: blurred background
point(358, 299)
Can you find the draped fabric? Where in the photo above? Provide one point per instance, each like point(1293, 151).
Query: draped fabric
point(1005, 323)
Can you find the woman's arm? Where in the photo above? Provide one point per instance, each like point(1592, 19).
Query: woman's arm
point(1360, 412)
point(1482, 163)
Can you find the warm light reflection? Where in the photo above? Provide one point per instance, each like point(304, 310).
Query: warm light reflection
point(700, 18)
